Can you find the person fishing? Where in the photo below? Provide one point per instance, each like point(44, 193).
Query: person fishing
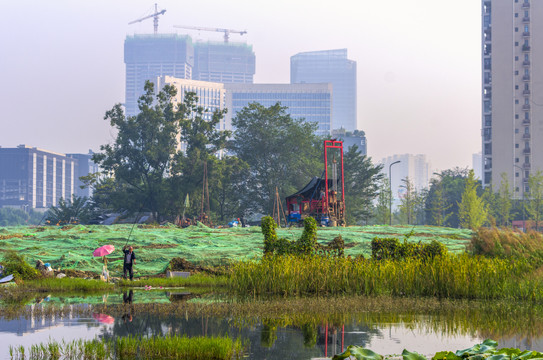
point(129, 261)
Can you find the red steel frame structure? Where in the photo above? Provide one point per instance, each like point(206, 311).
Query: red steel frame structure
point(333, 144)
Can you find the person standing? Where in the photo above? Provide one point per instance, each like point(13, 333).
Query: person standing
point(129, 261)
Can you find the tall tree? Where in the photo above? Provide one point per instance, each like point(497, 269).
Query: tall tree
point(281, 152)
point(408, 201)
point(382, 208)
point(503, 201)
point(452, 182)
point(438, 206)
point(472, 210)
point(534, 204)
point(361, 185)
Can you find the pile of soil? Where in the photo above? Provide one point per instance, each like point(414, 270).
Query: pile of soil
point(180, 264)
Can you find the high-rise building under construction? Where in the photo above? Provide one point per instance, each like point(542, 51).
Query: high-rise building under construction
point(150, 56)
point(512, 86)
point(224, 62)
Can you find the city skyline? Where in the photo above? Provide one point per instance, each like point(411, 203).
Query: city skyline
point(65, 66)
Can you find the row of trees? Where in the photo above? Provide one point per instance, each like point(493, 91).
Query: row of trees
point(456, 199)
point(160, 158)
point(145, 169)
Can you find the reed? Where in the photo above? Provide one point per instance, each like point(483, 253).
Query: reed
point(504, 243)
point(168, 347)
point(451, 276)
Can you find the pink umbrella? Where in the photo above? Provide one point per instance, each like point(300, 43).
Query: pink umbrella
point(103, 318)
point(103, 250)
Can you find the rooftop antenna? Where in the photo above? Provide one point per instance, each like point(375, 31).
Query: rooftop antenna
point(154, 16)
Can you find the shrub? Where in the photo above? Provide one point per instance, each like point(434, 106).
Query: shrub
point(16, 264)
point(393, 249)
point(505, 243)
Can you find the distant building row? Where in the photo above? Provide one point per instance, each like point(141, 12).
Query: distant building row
point(36, 178)
point(322, 88)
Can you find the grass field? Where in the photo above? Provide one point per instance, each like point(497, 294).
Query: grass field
point(71, 247)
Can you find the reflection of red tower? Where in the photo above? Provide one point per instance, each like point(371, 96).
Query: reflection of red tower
point(333, 331)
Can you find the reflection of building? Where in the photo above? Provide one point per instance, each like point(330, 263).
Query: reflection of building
point(312, 102)
point(35, 178)
point(512, 136)
point(350, 138)
point(224, 62)
point(149, 56)
point(330, 66)
point(416, 167)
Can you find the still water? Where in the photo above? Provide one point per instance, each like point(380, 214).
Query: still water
point(267, 337)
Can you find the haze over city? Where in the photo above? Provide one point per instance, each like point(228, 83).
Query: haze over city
point(419, 65)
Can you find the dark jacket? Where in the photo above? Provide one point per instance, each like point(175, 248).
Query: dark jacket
point(132, 257)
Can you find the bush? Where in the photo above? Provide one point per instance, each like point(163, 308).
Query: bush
point(393, 249)
point(16, 264)
point(504, 243)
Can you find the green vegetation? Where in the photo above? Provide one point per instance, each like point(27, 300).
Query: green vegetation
point(193, 280)
point(462, 276)
point(65, 285)
point(15, 217)
point(507, 243)
point(15, 263)
point(79, 209)
point(168, 347)
point(487, 349)
point(392, 248)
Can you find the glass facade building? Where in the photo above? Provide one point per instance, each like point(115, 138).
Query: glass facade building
point(312, 102)
point(149, 56)
point(224, 62)
point(330, 66)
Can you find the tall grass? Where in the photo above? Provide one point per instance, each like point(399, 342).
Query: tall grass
point(168, 347)
point(496, 242)
point(66, 284)
point(451, 276)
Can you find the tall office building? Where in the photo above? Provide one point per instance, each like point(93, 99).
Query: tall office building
point(224, 62)
point(330, 66)
point(149, 56)
point(350, 138)
point(312, 102)
point(85, 166)
point(35, 178)
point(512, 120)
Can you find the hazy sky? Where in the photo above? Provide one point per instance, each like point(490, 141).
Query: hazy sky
point(418, 65)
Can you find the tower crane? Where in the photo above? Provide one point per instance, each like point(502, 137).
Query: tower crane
point(225, 31)
point(154, 16)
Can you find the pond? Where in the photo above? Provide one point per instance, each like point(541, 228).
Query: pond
point(274, 328)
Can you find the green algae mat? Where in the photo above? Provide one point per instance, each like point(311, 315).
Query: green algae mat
point(71, 247)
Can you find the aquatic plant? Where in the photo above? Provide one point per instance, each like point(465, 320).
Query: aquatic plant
point(167, 347)
point(66, 284)
point(487, 349)
point(462, 276)
point(193, 280)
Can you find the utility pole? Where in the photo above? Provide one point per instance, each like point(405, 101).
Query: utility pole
point(390, 187)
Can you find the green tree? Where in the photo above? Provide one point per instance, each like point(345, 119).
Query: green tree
point(472, 210)
point(534, 203)
point(230, 185)
point(499, 202)
point(408, 202)
point(281, 152)
point(142, 155)
point(78, 210)
point(382, 208)
point(444, 196)
point(361, 185)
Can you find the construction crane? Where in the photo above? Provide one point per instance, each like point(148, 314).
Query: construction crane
point(225, 31)
point(154, 16)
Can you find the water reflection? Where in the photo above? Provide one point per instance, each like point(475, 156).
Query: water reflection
point(282, 329)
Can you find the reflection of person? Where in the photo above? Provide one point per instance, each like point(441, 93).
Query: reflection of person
point(127, 300)
point(129, 261)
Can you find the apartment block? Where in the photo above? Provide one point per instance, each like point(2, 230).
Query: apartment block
point(512, 84)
